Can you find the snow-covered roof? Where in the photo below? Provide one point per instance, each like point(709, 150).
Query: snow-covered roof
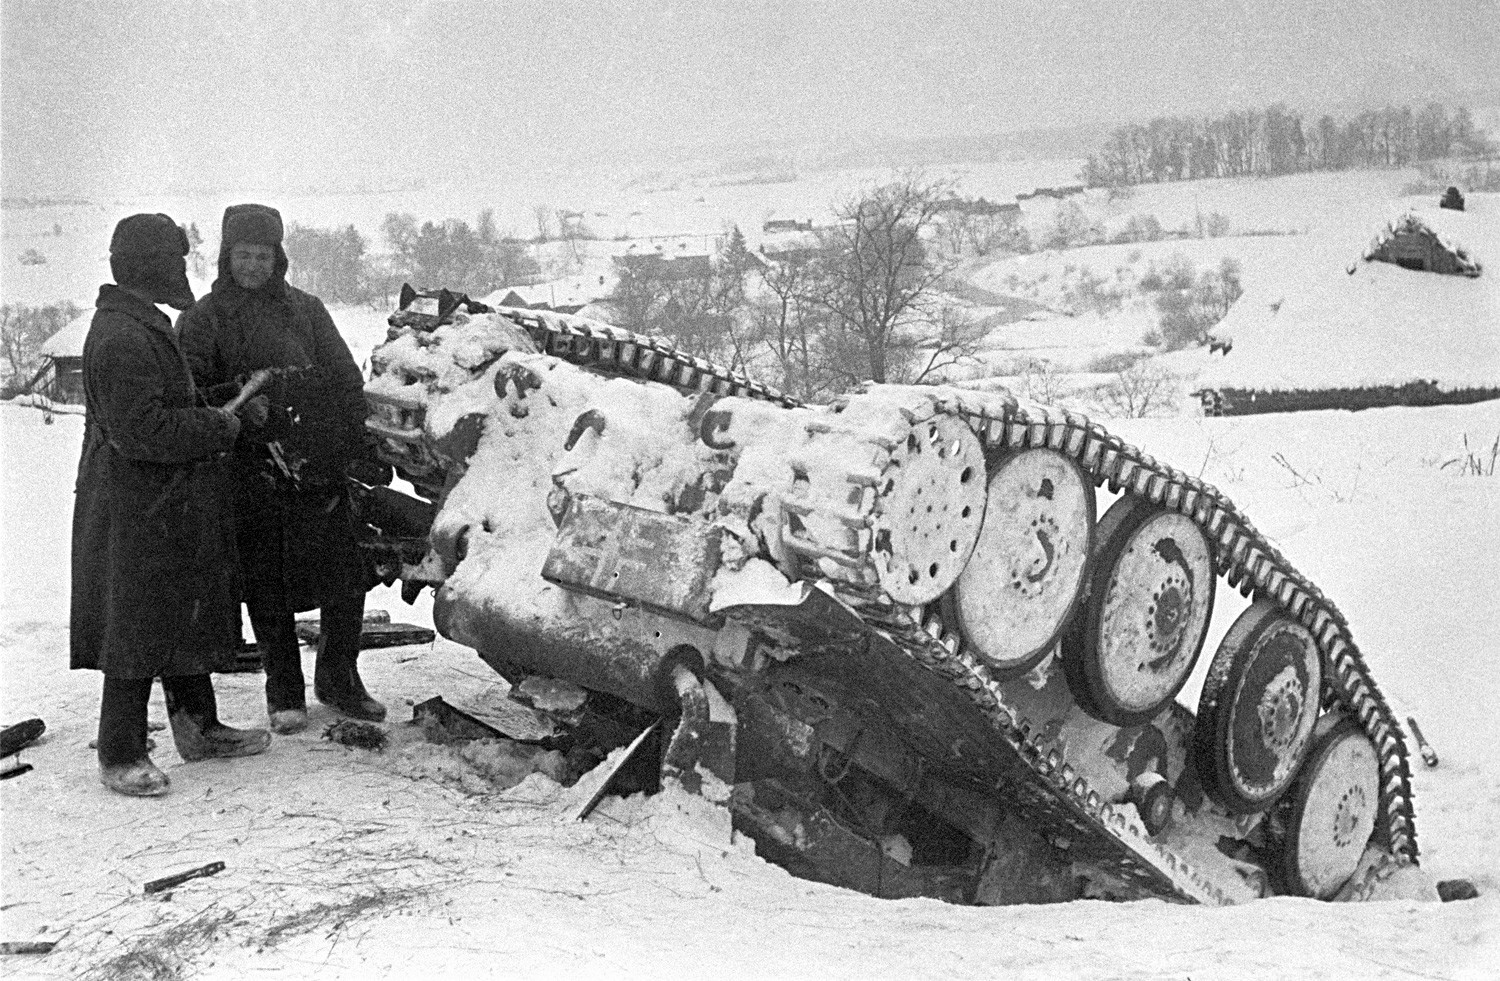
point(789, 243)
point(554, 294)
point(68, 342)
point(1444, 225)
point(1333, 321)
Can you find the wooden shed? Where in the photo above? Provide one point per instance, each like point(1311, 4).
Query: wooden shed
point(1411, 243)
point(61, 377)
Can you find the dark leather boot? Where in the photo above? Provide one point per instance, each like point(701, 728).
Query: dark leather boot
point(336, 681)
point(196, 729)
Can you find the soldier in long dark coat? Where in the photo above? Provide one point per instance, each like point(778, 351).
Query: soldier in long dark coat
point(296, 532)
point(154, 581)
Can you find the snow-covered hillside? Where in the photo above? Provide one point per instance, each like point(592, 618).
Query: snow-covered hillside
point(350, 864)
point(1325, 318)
point(1313, 313)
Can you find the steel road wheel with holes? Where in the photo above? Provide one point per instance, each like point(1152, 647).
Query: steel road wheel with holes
point(930, 511)
point(1149, 599)
point(1025, 576)
point(1257, 711)
point(1333, 810)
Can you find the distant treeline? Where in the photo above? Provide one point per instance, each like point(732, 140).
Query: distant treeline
point(1276, 140)
point(335, 264)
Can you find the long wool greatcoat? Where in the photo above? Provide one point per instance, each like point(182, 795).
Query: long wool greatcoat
point(154, 580)
point(297, 542)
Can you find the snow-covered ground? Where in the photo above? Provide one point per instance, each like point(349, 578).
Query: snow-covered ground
point(346, 863)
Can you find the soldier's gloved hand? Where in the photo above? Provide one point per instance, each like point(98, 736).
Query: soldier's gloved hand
point(256, 411)
point(369, 470)
point(231, 422)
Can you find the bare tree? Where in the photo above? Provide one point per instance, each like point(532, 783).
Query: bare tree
point(982, 233)
point(546, 228)
point(1139, 391)
point(1044, 383)
point(790, 326)
point(697, 302)
point(450, 254)
point(874, 270)
point(23, 331)
point(573, 231)
point(953, 337)
point(15, 342)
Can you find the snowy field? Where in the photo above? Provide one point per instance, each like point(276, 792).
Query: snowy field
point(346, 863)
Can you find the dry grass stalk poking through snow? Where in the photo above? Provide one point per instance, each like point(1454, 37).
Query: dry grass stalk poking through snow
point(1481, 464)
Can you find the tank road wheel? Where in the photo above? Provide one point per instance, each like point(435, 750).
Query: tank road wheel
point(1150, 596)
point(1258, 708)
point(930, 512)
point(1026, 573)
point(1333, 811)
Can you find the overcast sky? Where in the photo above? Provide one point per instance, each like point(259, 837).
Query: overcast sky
point(104, 96)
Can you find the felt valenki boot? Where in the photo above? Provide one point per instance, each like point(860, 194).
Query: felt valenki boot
point(281, 659)
point(196, 729)
point(124, 765)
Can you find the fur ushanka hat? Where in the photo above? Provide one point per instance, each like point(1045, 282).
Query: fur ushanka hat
point(250, 224)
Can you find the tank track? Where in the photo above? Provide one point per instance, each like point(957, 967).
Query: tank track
point(848, 559)
point(605, 347)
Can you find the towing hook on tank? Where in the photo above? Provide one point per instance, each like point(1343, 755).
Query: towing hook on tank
point(512, 382)
point(713, 428)
point(592, 419)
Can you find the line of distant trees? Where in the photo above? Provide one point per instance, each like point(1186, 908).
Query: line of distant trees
point(1276, 140)
point(336, 265)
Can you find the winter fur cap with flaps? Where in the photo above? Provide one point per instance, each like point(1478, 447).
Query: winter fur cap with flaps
point(251, 224)
point(141, 235)
point(146, 250)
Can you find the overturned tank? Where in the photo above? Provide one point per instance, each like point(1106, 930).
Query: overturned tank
point(892, 634)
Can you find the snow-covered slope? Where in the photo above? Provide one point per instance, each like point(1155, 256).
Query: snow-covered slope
point(1326, 318)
